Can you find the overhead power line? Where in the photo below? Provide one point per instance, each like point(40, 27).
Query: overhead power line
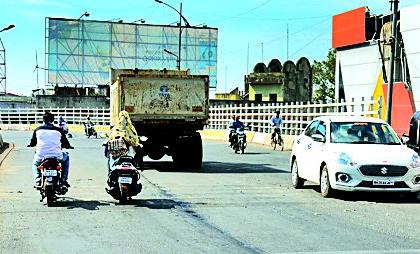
point(246, 12)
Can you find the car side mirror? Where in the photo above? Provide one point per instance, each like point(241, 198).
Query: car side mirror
point(405, 138)
point(318, 138)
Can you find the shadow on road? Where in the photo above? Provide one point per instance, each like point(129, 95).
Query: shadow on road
point(72, 203)
point(155, 203)
point(375, 197)
point(213, 167)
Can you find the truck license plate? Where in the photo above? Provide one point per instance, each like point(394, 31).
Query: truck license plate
point(383, 182)
point(50, 172)
point(127, 180)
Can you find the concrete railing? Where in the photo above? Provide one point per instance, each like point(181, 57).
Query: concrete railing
point(295, 115)
point(25, 116)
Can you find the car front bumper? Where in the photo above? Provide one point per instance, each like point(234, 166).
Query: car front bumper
point(360, 182)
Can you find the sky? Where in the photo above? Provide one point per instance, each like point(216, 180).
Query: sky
point(260, 23)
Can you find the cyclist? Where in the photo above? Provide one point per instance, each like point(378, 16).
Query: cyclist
point(276, 122)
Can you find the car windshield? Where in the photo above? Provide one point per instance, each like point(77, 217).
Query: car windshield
point(363, 133)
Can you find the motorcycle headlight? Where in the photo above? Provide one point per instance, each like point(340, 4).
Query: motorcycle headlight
point(345, 159)
point(415, 161)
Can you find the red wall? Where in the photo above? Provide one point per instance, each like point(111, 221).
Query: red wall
point(403, 107)
point(349, 28)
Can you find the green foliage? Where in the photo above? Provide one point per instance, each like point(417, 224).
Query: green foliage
point(323, 77)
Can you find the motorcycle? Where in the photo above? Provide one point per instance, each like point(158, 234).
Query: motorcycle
point(63, 126)
point(90, 130)
point(51, 185)
point(123, 179)
point(239, 140)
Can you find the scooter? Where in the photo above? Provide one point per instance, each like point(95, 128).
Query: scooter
point(239, 140)
point(90, 130)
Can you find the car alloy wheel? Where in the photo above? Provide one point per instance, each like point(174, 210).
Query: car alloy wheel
point(325, 186)
point(297, 182)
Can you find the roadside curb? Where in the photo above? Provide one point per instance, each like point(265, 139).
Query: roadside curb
point(4, 155)
point(263, 139)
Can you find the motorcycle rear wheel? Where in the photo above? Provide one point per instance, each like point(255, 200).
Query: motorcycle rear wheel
point(49, 194)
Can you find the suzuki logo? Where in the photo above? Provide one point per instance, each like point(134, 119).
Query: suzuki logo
point(384, 170)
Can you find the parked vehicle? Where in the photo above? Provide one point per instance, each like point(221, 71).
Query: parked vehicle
point(167, 108)
point(412, 140)
point(51, 185)
point(354, 154)
point(90, 130)
point(123, 179)
point(239, 140)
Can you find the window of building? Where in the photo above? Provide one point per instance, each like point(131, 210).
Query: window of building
point(258, 97)
point(273, 97)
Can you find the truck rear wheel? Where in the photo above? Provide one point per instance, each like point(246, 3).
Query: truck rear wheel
point(188, 152)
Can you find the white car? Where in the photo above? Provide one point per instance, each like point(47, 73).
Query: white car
point(354, 154)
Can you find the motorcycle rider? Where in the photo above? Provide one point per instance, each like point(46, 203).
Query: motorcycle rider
point(276, 122)
point(236, 125)
point(231, 130)
point(88, 125)
point(49, 140)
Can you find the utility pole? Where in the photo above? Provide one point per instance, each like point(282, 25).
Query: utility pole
point(178, 64)
point(287, 42)
point(394, 45)
point(247, 61)
point(226, 78)
point(262, 52)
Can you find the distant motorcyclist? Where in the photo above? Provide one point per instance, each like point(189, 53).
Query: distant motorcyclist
point(236, 125)
point(88, 124)
point(231, 129)
point(49, 140)
point(62, 124)
point(277, 123)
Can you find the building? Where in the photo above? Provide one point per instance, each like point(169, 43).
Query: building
point(288, 83)
point(362, 41)
point(234, 95)
point(12, 101)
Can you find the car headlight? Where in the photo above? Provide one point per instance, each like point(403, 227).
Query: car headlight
point(415, 161)
point(345, 159)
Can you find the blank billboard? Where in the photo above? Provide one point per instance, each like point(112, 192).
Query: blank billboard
point(82, 51)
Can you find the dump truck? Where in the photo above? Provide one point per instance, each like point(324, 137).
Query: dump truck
point(167, 108)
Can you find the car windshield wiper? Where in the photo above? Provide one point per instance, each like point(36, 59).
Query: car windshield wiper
point(392, 143)
point(364, 142)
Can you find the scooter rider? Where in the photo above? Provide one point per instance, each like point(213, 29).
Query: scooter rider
point(49, 140)
point(276, 122)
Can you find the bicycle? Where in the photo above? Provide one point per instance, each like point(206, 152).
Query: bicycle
point(277, 140)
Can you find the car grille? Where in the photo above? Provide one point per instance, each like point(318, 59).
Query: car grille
point(378, 170)
point(369, 184)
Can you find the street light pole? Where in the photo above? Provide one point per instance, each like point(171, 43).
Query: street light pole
point(394, 45)
point(181, 17)
point(3, 50)
point(178, 63)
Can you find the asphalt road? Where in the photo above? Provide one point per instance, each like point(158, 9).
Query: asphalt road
point(236, 204)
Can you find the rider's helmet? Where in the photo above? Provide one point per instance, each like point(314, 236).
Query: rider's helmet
point(48, 117)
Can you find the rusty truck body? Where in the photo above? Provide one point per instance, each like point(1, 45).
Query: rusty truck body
point(167, 107)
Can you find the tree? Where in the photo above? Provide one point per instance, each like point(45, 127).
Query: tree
point(323, 77)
